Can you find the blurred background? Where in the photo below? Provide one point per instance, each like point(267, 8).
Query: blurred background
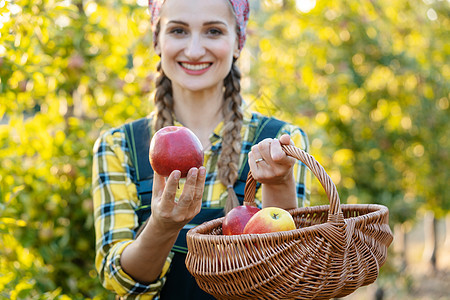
point(369, 81)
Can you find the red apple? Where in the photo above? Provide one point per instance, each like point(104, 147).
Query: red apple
point(237, 218)
point(270, 219)
point(175, 148)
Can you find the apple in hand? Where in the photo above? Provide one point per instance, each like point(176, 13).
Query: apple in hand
point(175, 148)
point(270, 219)
point(236, 219)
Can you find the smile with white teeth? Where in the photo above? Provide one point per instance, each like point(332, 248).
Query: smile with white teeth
point(196, 67)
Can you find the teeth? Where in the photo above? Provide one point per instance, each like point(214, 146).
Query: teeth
point(195, 67)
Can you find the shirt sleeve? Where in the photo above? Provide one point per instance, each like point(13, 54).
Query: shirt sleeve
point(302, 174)
point(115, 200)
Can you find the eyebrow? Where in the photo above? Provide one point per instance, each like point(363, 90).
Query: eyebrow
point(206, 23)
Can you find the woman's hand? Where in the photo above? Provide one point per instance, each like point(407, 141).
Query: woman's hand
point(269, 163)
point(170, 215)
point(273, 168)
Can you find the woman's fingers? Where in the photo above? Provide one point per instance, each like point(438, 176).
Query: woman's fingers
point(196, 204)
point(187, 195)
point(193, 188)
point(200, 184)
point(172, 213)
point(260, 154)
point(170, 190)
point(164, 192)
point(158, 185)
point(269, 152)
point(276, 152)
point(264, 150)
point(254, 160)
point(268, 161)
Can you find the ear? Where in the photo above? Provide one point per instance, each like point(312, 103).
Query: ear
point(236, 54)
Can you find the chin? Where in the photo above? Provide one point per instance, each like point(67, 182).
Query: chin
point(196, 86)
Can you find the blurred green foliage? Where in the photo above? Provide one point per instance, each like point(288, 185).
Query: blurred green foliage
point(367, 80)
point(370, 83)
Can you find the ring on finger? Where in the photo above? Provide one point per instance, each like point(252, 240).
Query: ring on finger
point(259, 160)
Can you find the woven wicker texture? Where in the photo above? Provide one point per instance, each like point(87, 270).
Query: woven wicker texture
point(334, 250)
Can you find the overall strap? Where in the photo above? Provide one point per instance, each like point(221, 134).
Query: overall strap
point(137, 135)
point(268, 128)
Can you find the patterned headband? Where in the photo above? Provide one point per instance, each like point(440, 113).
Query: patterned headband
point(241, 10)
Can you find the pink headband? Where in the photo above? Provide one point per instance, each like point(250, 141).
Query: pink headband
point(241, 10)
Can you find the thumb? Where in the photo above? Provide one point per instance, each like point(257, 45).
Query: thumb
point(285, 139)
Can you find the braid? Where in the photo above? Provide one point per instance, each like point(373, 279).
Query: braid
point(231, 144)
point(163, 101)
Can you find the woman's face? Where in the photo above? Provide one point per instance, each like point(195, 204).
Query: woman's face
point(197, 41)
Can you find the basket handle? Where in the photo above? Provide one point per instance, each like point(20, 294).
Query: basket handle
point(335, 212)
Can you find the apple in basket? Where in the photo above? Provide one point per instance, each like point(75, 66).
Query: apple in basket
point(270, 219)
point(236, 219)
point(175, 148)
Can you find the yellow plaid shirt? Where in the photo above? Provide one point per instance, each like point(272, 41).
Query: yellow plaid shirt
point(115, 199)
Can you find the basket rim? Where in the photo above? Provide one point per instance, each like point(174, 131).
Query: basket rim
point(375, 210)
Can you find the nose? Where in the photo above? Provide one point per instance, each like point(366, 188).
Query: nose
point(195, 48)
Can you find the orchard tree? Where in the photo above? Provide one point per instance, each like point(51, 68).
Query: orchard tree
point(68, 69)
point(369, 82)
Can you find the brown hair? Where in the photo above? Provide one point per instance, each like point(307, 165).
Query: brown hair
point(228, 163)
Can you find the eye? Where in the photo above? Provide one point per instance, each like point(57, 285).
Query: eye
point(215, 31)
point(177, 31)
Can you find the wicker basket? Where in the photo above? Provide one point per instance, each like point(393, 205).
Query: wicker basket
point(334, 250)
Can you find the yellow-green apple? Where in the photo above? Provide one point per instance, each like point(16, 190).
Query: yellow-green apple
point(236, 219)
point(270, 219)
point(175, 148)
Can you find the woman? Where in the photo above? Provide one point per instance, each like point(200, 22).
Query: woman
point(199, 42)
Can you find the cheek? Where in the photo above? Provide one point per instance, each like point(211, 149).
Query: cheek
point(169, 48)
point(169, 51)
point(224, 51)
point(227, 48)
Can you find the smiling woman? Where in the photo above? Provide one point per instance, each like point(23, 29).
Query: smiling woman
point(192, 44)
point(141, 217)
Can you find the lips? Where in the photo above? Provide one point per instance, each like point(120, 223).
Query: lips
point(195, 67)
